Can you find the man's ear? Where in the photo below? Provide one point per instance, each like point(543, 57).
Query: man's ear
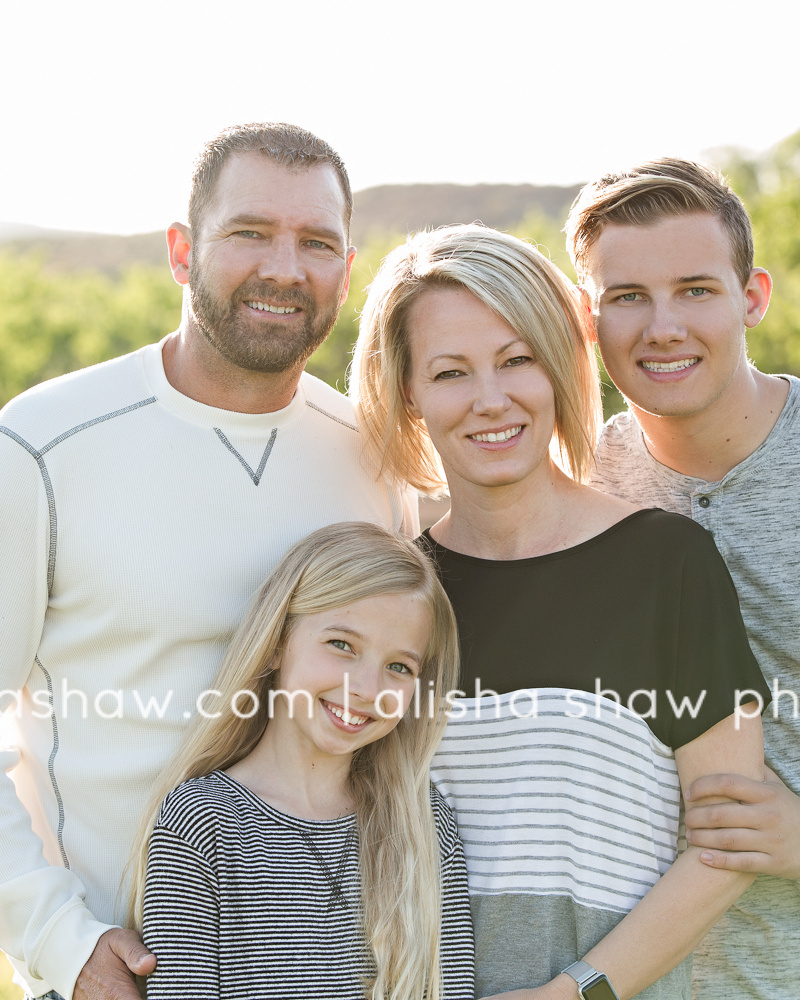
point(586, 305)
point(179, 241)
point(757, 293)
point(351, 256)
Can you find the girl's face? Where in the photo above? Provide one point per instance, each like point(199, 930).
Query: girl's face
point(349, 673)
point(486, 401)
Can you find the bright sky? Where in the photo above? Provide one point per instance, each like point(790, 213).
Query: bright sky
point(105, 104)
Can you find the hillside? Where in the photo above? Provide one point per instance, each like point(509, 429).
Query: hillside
point(390, 208)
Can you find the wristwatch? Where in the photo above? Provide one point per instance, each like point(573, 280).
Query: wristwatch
point(592, 985)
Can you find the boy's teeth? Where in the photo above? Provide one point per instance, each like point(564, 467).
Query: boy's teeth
point(502, 436)
point(670, 366)
point(266, 307)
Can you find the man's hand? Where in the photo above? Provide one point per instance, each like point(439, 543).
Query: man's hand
point(117, 959)
point(757, 828)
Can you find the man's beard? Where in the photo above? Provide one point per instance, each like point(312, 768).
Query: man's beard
point(259, 345)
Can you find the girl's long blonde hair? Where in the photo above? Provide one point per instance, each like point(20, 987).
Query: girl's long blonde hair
point(389, 782)
point(518, 283)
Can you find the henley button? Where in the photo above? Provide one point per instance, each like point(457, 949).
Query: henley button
point(704, 502)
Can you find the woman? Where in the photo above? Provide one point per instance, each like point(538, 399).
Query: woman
point(589, 628)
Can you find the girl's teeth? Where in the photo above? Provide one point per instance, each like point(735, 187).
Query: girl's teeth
point(346, 717)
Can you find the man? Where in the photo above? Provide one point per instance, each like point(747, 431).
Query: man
point(142, 501)
point(664, 254)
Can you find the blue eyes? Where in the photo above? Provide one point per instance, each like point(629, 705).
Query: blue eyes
point(398, 667)
point(690, 293)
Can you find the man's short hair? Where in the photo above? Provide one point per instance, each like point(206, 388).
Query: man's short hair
point(286, 145)
point(656, 190)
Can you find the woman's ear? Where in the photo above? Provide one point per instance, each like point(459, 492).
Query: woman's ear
point(411, 406)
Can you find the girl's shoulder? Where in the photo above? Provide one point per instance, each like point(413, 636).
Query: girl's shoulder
point(198, 805)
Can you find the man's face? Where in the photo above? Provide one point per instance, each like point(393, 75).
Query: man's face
point(670, 312)
point(270, 265)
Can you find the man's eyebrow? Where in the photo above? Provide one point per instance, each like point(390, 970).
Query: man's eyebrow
point(248, 220)
point(331, 235)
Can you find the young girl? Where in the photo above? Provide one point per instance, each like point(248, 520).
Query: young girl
point(303, 852)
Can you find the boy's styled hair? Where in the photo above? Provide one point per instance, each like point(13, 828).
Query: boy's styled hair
point(286, 145)
point(656, 190)
point(518, 283)
point(389, 779)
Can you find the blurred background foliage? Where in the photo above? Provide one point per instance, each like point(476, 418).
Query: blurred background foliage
point(57, 315)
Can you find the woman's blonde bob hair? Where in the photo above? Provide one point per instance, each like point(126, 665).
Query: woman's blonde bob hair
point(389, 779)
point(518, 283)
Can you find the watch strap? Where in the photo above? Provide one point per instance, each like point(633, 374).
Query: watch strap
point(591, 983)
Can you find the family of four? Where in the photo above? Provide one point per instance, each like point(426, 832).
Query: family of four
point(564, 653)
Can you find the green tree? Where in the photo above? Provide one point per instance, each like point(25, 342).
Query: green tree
point(52, 323)
point(770, 188)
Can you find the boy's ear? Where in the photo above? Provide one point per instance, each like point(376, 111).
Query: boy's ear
point(757, 294)
point(179, 242)
point(586, 304)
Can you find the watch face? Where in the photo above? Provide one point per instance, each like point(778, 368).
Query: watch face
point(600, 989)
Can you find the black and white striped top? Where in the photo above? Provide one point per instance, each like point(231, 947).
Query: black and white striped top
point(242, 901)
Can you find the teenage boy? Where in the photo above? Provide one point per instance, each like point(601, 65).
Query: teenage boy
point(664, 255)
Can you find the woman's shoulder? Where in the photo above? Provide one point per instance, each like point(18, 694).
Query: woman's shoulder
point(667, 530)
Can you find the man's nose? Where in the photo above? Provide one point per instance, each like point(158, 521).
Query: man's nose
point(281, 262)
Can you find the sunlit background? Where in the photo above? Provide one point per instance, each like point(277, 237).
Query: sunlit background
point(105, 105)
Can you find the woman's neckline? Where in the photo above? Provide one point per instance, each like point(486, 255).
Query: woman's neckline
point(555, 554)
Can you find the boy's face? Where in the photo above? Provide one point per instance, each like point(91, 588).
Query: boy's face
point(670, 312)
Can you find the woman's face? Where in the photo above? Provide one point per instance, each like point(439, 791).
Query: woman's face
point(486, 401)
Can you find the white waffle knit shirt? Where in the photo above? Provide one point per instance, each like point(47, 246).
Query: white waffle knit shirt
point(135, 524)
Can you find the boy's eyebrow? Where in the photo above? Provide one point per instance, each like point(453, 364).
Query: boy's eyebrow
point(624, 284)
point(635, 286)
point(697, 277)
